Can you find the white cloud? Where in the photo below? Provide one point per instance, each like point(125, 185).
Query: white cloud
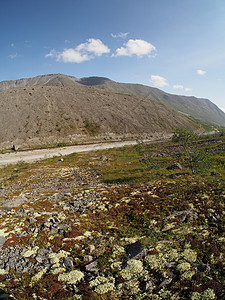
point(12, 45)
point(135, 47)
point(95, 46)
point(201, 72)
point(181, 87)
point(158, 81)
point(12, 56)
point(72, 56)
point(187, 89)
point(178, 87)
point(83, 52)
point(121, 35)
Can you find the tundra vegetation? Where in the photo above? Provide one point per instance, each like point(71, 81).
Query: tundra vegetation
point(138, 222)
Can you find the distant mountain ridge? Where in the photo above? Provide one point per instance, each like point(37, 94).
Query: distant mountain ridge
point(201, 109)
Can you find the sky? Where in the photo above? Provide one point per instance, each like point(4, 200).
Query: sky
point(177, 46)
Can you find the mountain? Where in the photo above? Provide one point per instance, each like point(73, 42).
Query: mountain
point(50, 109)
point(201, 109)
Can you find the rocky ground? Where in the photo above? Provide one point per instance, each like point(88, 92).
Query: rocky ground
point(65, 234)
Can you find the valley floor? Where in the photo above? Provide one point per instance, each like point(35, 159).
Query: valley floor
point(99, 226)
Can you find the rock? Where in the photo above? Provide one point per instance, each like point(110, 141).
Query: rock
point(88, 258)
point(92, 267)
point(4, 295)
point(171, 265)
point(15, 148)
point(103, 157)
point(68, 195)
point(32, 220)
point(180, 214)
point(175, 166)
point(15, 202)
point(202, 268)
point(135, 251)
point(68, 262)
point(147, 285)
point(61, 159)
point(2, 241)
point(213, 173)
point(165, 283)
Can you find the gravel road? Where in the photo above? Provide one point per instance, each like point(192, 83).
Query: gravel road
point(34, 155)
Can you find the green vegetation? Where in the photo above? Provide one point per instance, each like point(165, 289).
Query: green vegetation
point(146, 193)
point(91, 127)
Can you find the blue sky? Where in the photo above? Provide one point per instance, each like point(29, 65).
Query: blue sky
point(175, 45)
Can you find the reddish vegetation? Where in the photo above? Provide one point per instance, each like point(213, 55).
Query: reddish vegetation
point(74, 232)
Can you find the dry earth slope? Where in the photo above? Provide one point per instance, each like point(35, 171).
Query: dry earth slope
point(49, 114)
point(201, 109)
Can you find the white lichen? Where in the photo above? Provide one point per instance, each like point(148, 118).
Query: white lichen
point(117, 251)
point(103, 285)
point(72, 277)
point(156, 262)
point(183, 267)
point(116, 266)
point(187, 275)
point(133, 269)
point(30, 252)
point(58, 270)
point(3, 272)
point(208, 294)
point(189, 255)
point(39, 275)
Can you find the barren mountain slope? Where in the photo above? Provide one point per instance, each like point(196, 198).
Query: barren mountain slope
point(201, 109)
point(42, 112)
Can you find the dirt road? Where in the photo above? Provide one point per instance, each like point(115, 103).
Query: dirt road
point(34, 155)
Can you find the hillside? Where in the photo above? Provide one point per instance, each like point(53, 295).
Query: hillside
point(50, 114)
point(201, 109)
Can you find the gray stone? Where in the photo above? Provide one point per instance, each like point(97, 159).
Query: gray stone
point(39, 259)
point(175, 166)
point(2, 241)
point(92, 267)
point(135, 251)
point(172, 264)
point(15, 148)
point(88, 258)
point(165, 283)
point(180, 214)
point(32, 220)
point(148, 285)
point(15, 202)
point(201, 268)
point(68, 262)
